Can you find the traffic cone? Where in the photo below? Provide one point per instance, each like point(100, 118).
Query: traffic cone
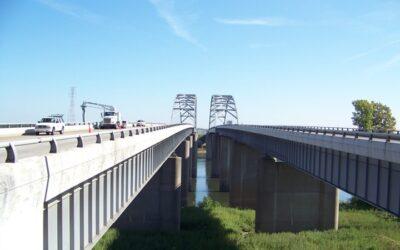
point(90, 128)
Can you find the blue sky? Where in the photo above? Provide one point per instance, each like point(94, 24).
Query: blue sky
point(285, 62)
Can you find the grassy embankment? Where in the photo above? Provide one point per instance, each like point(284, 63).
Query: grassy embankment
point(213, 226)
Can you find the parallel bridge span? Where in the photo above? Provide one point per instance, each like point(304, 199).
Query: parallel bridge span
point(67, 200)
point(366, 165)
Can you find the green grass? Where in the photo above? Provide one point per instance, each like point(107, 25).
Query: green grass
point(213, 226)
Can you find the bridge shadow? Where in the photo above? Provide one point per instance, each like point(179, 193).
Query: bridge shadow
point(199, 230)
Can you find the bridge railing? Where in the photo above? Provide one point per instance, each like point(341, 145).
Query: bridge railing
point(31, 125)
point(392, 135)
point(11, 147)
point(17, 125)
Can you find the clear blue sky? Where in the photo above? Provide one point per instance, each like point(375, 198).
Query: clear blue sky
point(285, 62)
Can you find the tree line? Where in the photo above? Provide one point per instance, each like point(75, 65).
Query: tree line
point(373, 116)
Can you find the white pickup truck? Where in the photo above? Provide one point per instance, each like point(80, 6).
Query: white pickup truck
point(50, 125)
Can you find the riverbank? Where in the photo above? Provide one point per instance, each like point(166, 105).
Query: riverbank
point(214, 226)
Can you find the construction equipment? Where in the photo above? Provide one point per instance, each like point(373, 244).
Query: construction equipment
point(104, 107)
point(111, 117)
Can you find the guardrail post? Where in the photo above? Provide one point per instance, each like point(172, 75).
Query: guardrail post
point(98, 138)
point(80, 142)
point(53, 146)
point(11, 153)
point(112, 136)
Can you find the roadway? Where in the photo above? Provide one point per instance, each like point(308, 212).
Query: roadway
point(39, 149)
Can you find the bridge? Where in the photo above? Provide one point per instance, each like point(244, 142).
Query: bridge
point(70, 192)
point(290, 175)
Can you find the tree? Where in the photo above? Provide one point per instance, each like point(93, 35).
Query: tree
point(383, 118)
point(363, 116)
point(370, 116)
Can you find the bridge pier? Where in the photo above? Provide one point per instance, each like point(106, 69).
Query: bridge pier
point(289, 200)
point(225, 163)
point(157, 206)
point(243, 177)
point(194, 155)
point(184, 152)
point(190, 162)
point(215, 148)
point(209, 142)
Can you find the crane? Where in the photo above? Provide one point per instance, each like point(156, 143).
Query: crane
point(86, 104)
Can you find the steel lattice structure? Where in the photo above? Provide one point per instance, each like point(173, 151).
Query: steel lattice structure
point(222, 111)
point(185, 109)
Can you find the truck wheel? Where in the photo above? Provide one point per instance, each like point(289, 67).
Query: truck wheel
point(62, 131)
point(37, 133)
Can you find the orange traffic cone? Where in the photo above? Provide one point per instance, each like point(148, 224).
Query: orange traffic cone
point(90, 128)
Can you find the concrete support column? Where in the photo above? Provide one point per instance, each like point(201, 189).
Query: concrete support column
point(215, 156)
point(292, 201)
point(209, 142)
point(157, 206)
point(194, 155)
point(183, 151)
point(235, 177)
point(249, 166)
point(190, 162)
point(243, 176)
point(226, 160)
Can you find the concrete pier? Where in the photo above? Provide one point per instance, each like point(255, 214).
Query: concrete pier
point(249, 166)
point(190, 162)
point(194, 156)
point(209, 142)
point(289, 200)
point(184, 152)
point(215, 147)
point(235, 177)
point(243, 176)
point(226, 161)
point(157, 206)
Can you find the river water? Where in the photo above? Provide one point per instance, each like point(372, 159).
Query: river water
point(205, 186)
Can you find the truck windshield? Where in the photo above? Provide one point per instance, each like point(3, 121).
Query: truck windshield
point(47, 120)
point(109, 113)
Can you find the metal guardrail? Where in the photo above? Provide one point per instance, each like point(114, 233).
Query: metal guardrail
point(12, 150)
point(32, 125)
point(335, 131)
point(17, 125)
